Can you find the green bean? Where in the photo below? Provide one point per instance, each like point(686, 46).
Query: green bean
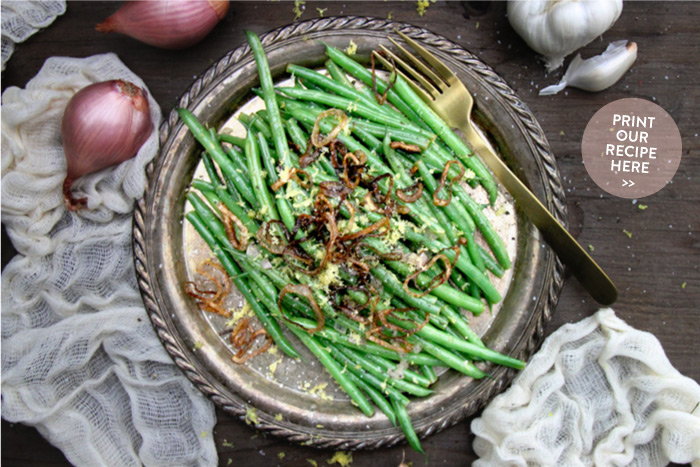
point(231, 190)
point(392, 285)
point(267, 159)
point(438, 321)
point(264, 285)
point(490, 263)
point(308, 116)
point(401, 176)
point(408, 374)
point(364, 75)
point(231, 139)
point(375, 395)
point(278, 135)
point(296, 134)
point(377, 371)
point(211, 169)
point(238, 160)
point(283, 207)
point(234, 272)
point(203, 185)
point(421, 214)
point(460, 280)
point(445, 339)
point(209, 216)
point(267, 207)
point(453, 210)
point(302, 140)
point(355, 107)
point(464, 208)
point(346, 90)
point(337, 74)
point(429, 373)
point(237, 210)
point(259, 124)
point(447, 135)
point(451, 360)
point(355, 368)
point(420, 138)
point(490, 235)
point(405, 424)
point(213, 200)
point(334, 369)
point(370, 348)
point(463, 264)
point(375, 349)
point(217, 153)
point(443, 291)
point(473, 250)
point(462, 326)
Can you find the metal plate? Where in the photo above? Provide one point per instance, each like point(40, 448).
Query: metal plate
point(276, 401)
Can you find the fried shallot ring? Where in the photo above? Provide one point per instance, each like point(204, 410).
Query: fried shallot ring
point(306, 292)
point(435, 281)
point(342, 123)
point(243, 337)
point(437, 201)
point(413, 148)
point(229, 221)
point(410, 194)
point(211, 300)
point(382, 99)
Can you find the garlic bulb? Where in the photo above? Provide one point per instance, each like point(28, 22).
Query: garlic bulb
point(556, 28)
point(599, 72)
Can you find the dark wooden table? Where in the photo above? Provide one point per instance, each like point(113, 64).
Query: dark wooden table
point(656, 268)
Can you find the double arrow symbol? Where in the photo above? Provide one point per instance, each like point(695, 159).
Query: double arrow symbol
point(627, 183)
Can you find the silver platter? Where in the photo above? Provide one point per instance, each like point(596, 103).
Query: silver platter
point(281, 405)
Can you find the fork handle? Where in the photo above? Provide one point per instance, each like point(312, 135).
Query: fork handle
point(571, 253)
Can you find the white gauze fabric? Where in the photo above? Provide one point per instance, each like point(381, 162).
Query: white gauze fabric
point(21, 19)
point(80, 359)
point(599, 392)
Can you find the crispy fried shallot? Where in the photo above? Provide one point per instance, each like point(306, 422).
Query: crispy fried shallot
point(410, 194)
point(381, 99)
point(211, 300)
point(243, 336)
point(306, 292)
point(231, 223)
point(413, 148)
point(437, 201)
point(342, 123)
point(435, 281)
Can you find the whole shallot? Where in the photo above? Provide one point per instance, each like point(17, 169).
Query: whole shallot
point(168, 24)
point(104, 124)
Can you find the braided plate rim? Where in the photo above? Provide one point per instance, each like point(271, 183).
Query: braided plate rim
point(552, 185)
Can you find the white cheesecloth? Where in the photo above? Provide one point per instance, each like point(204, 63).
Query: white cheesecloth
point(598, 392)
point(21, 19)
point(80, 360)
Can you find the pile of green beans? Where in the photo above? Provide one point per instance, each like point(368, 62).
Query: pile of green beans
point(241, 173)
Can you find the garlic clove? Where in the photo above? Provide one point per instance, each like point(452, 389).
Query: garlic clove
point(597, 73)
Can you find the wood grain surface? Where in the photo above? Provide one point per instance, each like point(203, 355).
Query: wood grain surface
point(656, 268)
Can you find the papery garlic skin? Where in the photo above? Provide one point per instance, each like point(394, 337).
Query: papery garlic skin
point(556, 28)
point(168, 24)
point(597, 73)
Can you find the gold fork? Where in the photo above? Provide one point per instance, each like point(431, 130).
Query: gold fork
point(447, 96)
